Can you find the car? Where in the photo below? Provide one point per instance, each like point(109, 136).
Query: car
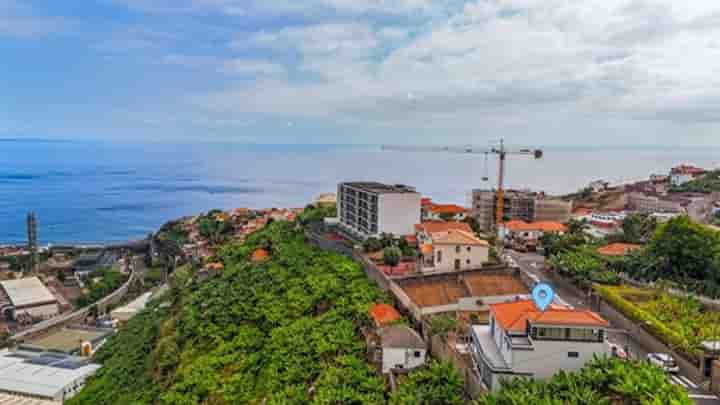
point(664, 361)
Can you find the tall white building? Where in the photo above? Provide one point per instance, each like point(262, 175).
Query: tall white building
point(368, 209)
point(524, 342)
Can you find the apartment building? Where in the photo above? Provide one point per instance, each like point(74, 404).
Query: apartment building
point(523, 205)
point(522, 341)
point(368, 209)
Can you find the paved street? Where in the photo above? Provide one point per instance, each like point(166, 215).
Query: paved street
point(534, 264)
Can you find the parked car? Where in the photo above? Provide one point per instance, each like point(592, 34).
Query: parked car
point(664, 361)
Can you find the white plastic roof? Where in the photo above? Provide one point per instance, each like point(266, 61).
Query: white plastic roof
point(27, 291)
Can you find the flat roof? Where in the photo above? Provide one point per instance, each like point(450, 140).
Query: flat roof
point(40, 374)
point(380, 188)
point(67, 340)
point(27, 291)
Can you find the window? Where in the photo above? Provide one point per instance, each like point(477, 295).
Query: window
point(468, 261)
point(457, 249)
point(573, 355)
point(469, 248)
point(551, 333)
point(583, 334)
point(417, 353)
point(439, 256)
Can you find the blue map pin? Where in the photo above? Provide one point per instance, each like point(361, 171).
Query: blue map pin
point(543, 296)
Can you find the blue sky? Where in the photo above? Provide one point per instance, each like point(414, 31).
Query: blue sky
point(548, 72)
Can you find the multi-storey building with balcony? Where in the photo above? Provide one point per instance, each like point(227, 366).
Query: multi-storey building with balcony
point(368, 209)
point(522, 205)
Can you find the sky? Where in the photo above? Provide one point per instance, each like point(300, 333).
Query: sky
point(539, 72)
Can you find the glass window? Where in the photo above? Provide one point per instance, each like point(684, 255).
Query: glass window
point(573, 354)
point(457, 249)
point(439, 256)
point(551, 333)
point(469, 248)
point(582, 334)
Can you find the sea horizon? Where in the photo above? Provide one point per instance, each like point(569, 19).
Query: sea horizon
point(91, 192)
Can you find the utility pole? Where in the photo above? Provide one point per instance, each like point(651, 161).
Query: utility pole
point(32, 242)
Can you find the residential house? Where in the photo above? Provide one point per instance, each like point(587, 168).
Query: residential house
point(453, 249)
point(523, 342)
point(397, 348)
point(526, 235)
point(441, 212)
point(682, 174)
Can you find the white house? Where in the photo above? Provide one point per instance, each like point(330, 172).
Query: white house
point(684, 173)
point(28, 296)
point(399, 347)
point(368, 209)
point(453, 249)
point(523, 342)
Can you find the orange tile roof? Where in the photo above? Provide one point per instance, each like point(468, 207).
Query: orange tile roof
point(456, 237)
point(260, 255)
point(517, 225)
point(513, 316)
point(383, 314)
point(447, 209)
point(440, 226)
point(618, 249)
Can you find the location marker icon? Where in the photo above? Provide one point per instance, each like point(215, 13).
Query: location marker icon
point(543, 296)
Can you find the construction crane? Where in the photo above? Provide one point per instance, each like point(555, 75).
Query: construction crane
point(501, 152)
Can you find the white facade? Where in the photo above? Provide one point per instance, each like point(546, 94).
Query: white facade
point(456, 257)
point(29, 296)
point(678, 179)
point(39, 311)
point(539, 352)
point(402, 358)
point(368, 209)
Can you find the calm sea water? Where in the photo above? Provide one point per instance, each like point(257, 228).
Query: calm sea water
point(100, 192)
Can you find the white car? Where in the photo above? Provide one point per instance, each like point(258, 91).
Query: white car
point(664, 361)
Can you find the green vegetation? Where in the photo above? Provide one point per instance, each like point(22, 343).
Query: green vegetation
point(601, 382)
point(680, 251)
point(213, 227)
point(638, 228)
point(437, 384)
point(584, 266)
point(706, 184)
point(392, 256)
point(681, 322)
point(109, 281)
point(313, 213)
point(173, 231)
point(285, 331)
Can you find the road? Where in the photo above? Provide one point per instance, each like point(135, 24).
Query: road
point(534, 265)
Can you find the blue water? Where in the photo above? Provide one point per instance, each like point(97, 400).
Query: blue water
point(105, 192)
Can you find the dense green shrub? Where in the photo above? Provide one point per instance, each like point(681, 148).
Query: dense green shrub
point(604, 381)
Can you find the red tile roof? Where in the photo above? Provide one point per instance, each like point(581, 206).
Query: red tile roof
point(440, 226)
point(618, 249)
point(260, 255)
point(383, 314)
point(446, 209)
point(513, 316)
point(457, 237)
point(688, 169)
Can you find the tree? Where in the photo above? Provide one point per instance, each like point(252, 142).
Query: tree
point(638, 228)
point(474, 224)
point(372, 245)
point(392, 255)
point(61, 276)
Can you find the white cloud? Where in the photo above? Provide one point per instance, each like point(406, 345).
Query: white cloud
point(636, 59)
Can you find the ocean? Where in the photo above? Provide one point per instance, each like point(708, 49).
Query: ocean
point(96, 192)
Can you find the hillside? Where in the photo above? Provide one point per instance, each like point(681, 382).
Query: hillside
point(284, 331)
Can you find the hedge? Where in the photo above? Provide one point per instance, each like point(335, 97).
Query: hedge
point(648, 322)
